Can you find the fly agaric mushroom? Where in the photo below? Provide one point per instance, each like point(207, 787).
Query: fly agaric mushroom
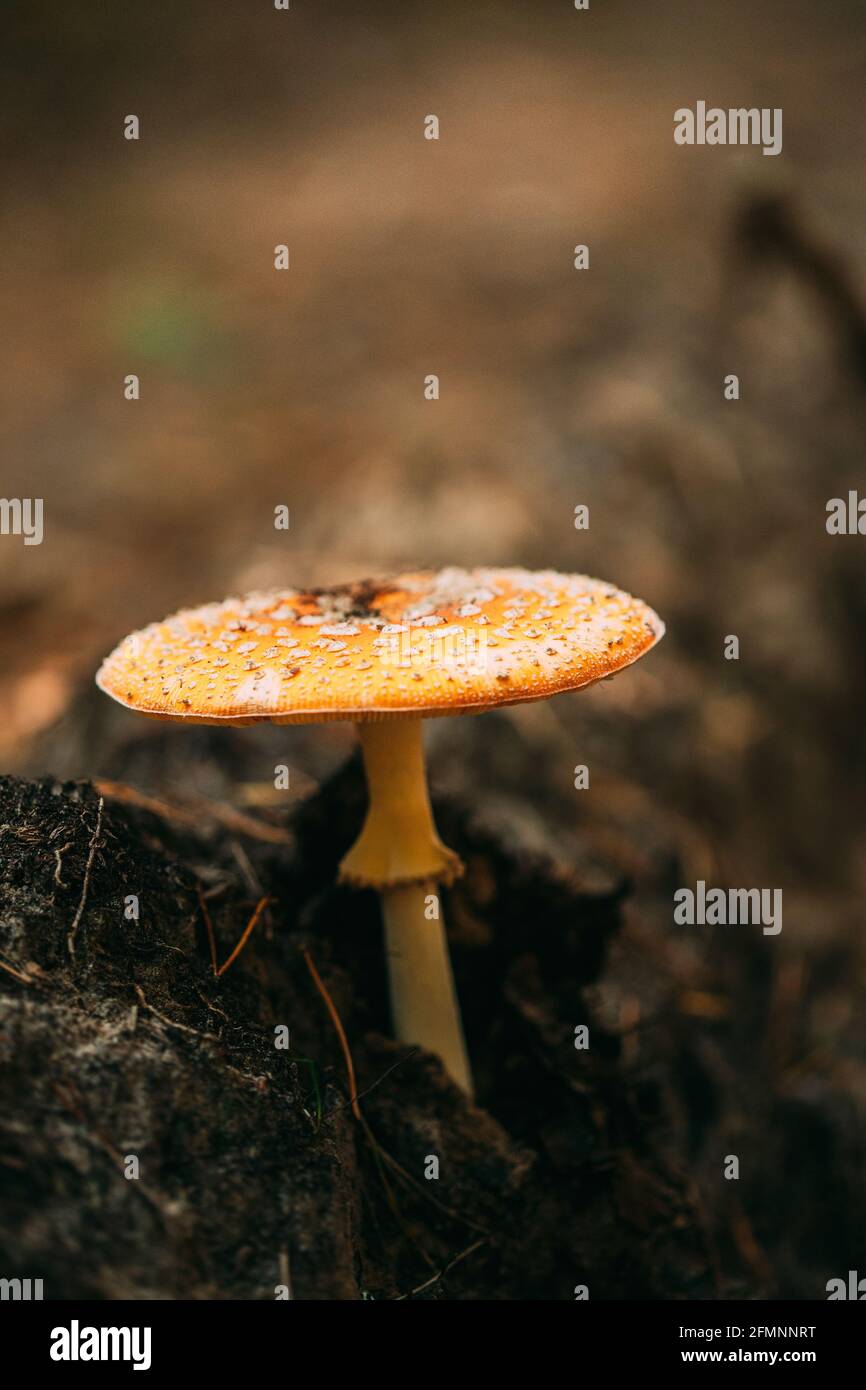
point(388, 654)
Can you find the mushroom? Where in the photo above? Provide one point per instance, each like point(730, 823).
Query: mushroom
point(388, 654)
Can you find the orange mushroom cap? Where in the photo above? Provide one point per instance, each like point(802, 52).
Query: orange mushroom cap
point(420, 644)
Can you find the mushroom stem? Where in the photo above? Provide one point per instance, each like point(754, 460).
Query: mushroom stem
point(398, 844)
point(423, 1001)
point(399, 853)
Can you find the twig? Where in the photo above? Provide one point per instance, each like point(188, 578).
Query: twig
point(421, 1190)
point(251, 878)
point(76, 921)
point(341, 1034)
point(470, 1250)
point(17, 973)
point(373, 1084)
point(169, 1022)
point(213, 1008)
point(58, 855)
point(379, 1154)
point(260, 907)
point(285, 1271)
point(381, 1157)
point(314, 1073)
point(191, 814)
point(208, 927)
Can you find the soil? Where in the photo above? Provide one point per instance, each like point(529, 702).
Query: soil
point(599, 1167)
point(250, 1155)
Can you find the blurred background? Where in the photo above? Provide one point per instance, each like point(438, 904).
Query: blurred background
point(558, 387)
